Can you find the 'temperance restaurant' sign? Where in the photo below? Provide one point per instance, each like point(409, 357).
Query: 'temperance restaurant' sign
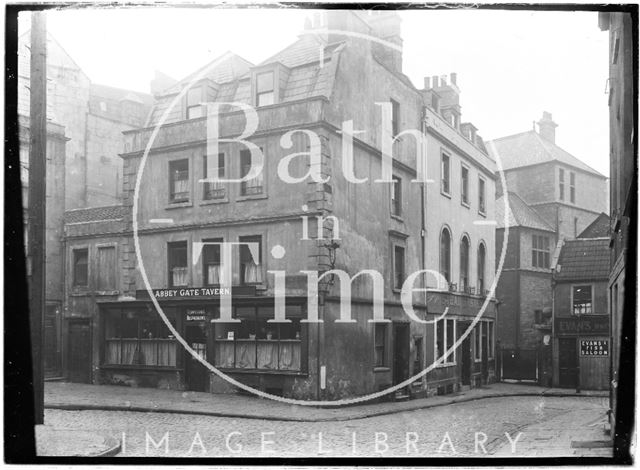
point(596, 325)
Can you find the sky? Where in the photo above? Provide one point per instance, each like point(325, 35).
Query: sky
point(511, 65)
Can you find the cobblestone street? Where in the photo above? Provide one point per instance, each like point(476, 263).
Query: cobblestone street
point(475, 428)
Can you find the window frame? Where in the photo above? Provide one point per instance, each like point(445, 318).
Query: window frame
point(572, 187)
point(445, 179)
point(481, 270)
point(395, 117)
point(174, 244)
point(260, 265)
point(385, 363)
point(103, 246)
point(451, 359)
point(205, 275)
point(243, 195)
point(207, 185)
point(464, 185)
point(396, 247)
point(561, 183)
point(188, 107)
point(448, 277)
point(466, 285)
point(74, 282)
point(537, 251)
point(272, 91)
point(181, 202)
point(396, 197)
point(591, 296)
point(482, 196)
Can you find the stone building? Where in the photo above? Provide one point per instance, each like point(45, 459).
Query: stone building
point(566, 192)
point(552, 196)
point(581, 338)
point(396, 227)
point(93, 116)
point(623, 137)
point(54, 272)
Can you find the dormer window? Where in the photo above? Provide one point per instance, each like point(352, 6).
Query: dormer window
point(194, 103)
point(265, 89)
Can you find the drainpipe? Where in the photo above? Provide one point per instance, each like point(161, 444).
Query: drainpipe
point(423, 234)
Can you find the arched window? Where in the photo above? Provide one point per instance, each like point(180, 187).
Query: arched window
point(464, 264)
point(481, 267)
point(445, 254)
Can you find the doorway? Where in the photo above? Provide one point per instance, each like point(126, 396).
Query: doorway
point(465, 371)
point(79, 351)
point(196, 375)
point(567, 362)
point(400, 352)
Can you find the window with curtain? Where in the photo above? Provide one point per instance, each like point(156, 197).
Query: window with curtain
point(179, 181)
point(254, 185)
point(254, 343)
point(211, 273)
point(250, 260)
point(178, 264)
point(464, 264)
point(481, 268)
point(445, 254)
point(137, 337)
point(215, 189)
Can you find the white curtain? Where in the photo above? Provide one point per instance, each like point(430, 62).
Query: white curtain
point(224, 353)
point(179, 276)
point(267, 355)
point(213, 273)
point(246, 354)
point(252, 273)
point(290, 355)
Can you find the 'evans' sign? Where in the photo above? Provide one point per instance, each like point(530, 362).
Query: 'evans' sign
point(596, 325)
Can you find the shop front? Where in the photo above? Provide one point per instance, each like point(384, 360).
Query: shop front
point(138, 348)
point(472, 363)
point(581, 352)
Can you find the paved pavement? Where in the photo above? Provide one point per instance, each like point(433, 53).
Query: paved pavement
point(539, 425)
point(55, 442)
point(71, 396)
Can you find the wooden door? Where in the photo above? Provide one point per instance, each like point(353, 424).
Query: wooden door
point(567, 362)
point(79, 351)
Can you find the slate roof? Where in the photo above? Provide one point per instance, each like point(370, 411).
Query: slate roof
point(529, 148)
point(95, 214)
point(584, 259)
point(600, 227)
point(520, 214)
point(305, 77)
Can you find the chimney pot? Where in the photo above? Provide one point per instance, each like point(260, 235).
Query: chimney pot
point(547, 128)
point(453, 78)
point(435, 81)
point(427, 83)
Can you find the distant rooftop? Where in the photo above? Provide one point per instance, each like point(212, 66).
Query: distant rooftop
point(519, 215)
point(584, 259)
point(529, 148)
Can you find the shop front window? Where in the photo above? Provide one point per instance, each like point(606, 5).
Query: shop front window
point(254, 343)
point(138, 338)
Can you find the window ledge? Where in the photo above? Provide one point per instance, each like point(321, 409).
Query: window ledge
point(178, 205)
point(482, 213)
point(139, 367)
point(79, 291)
point(445, 194)
point(465, 204)
point(381, 369)
point(107, 292)
point(448, 364)
point(397, 217)
point(207, 202)
point(251, 197)
point(264, 371)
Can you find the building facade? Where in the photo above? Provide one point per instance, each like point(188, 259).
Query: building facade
point(623, 115)
point(581, 336)
point(54, 271)
point(282, 232)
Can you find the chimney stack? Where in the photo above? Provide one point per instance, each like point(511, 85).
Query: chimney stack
point(547, 128)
